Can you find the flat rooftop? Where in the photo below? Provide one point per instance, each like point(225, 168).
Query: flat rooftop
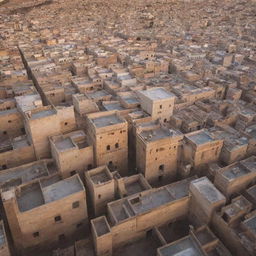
point(134, 187)
point(131, 100)
point(64, 144)
point(97, 94)
point(250, 224)
point(113, 106)
point(62, 189)
point(70, 141)
point(43, 113)
point(249, 163)
point(157, 134)
point(22, 174)
point(157, 94)
point(251, 130)
point(252, 192)
point(154, 198)
point(100, 177)
point(235, 171)
point(37, 194)
point(200, 138)
point(107, 120)
point(207, 190)
point(183, 247)
point(101, 226)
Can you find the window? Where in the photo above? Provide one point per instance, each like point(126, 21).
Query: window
point(89, 166)
point(4, 132)
point(165, 120)
point(9, 121)
point(22, 130)
point(161, 167)
point(75, 204)
point(36, 234)
point(116, 145)
point(99, 196)
point(57, 218)
point(66, 123)
point(108, 147)
point(160, 106)
point(72, 173)
point(62, 237)
point(4, 166)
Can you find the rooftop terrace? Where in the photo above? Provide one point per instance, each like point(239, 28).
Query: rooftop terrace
point(39, 193)
point(244, 167)
point(109, 120)
point(42, 113)
point(157, 94)
point(22, 174)
point(148, 200)
point(200, 137)
point(235, 171)
point(183, 247)
point(207, 190)
point(250, 224)
point(157, 134)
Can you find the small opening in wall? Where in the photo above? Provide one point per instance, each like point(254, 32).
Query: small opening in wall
point(75, 204)
point(36, 234)
point(57, 218)
point(161, 167)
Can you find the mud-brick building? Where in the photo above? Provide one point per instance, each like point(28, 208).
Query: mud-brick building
point(42, 213)
point(108, 133)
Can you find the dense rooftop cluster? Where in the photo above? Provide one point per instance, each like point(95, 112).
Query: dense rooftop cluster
point(127, 126)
